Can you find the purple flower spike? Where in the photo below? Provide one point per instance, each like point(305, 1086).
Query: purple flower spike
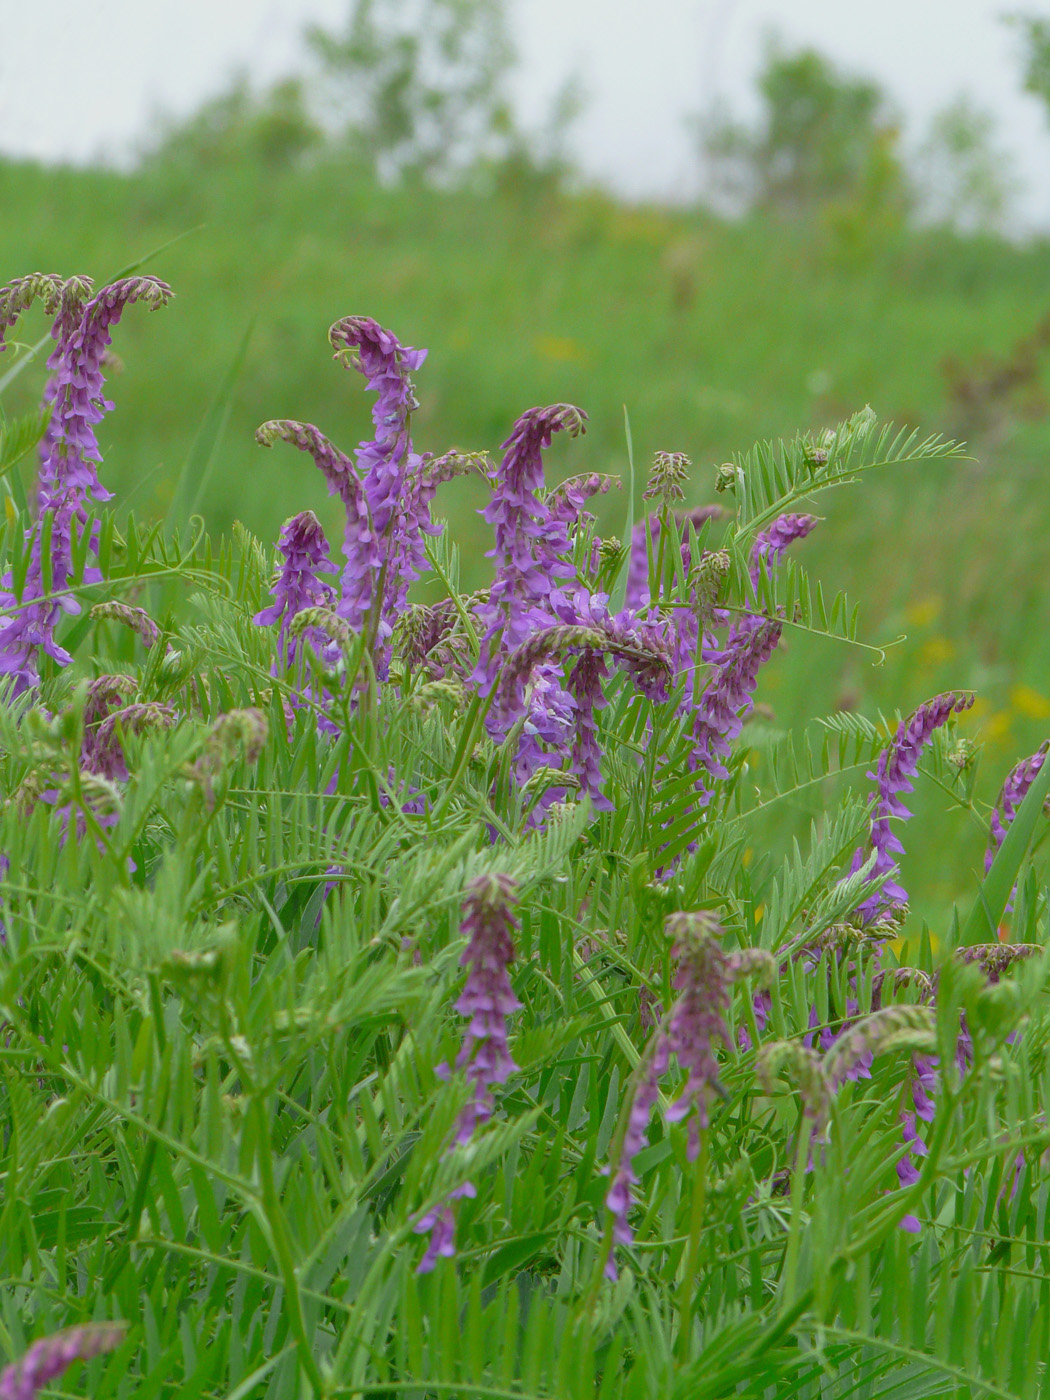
point(726, 701)
point(566, 501)
point(585, 686)
point(68, 473)
point(305, 550)
point(689, 1031)
point(50, 1357)
point(1012, 794)
point(897, 765)
point(386, 364)
point(770, 544)
point(75, 392)
point(531, 545)
point(487, 998)
point(360, 546)
point(625, 1178)
point(697, 1020)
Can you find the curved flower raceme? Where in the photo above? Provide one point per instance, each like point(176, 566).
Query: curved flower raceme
point(726, 701)
point(487, 1000)
point(387, 497)
point(769, 545)
point(689, 1031)
point(386, 364)
point(360, 546)
point(76, 390)
point(897, 765)
point(51, 1357)
point(532, 545)
point(68, 471)
point(19, 295)
point(1011, 795)
point(298, 585)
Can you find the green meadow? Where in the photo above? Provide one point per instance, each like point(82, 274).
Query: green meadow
point(710, 334)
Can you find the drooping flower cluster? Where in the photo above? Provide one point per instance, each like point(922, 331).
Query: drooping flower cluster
point(550, 711)
point(298, 586)
point(897, 766)
point(69, 466)
point(487, 1000)
point(386, 498)
point(690, 1032)
point(533, 571)
point(51, 1357)
point(1011, 795)
point(769, 545)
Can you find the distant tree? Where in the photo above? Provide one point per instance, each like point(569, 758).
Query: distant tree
point(962, 178)
point(419, 86)
point(823, 136)
point(1035, 37)
point(272, 129)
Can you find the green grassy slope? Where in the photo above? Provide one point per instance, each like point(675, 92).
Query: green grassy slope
point(712, 335)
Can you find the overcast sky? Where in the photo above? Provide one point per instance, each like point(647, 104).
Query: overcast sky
point(83, 78)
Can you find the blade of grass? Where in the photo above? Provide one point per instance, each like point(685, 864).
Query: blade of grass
point(619, 592)
point(196, 471)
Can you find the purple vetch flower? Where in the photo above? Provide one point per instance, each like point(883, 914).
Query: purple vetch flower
point(104, 695)
point(386, 364)
point(68, 472)
point(549, 718)
point(440, 1225)
point(305, 549)
point(726, 700)
point(696, 1022)
point(566, 501)
point(897, 765)
point(645, 650)
point(138, 619)
point(532, 568)
point(907, 1171)
point(1011, 795)
point(643, 1100)
point(689, 1031)
point(361, 548)
point(50, 1357)
point(530, 688)
point(545, 644)
point(103, 751)
point(75, 391)
point(585, 687)
point(487, 999)
point(770, 544)
point(27, 625)
point(407, 555)
point(387, 498)
point(860, 1065)
point(18, 296)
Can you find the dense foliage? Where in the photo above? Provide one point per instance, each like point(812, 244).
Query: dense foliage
point(396, 999)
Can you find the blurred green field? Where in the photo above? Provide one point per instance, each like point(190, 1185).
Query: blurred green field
point(712, 334)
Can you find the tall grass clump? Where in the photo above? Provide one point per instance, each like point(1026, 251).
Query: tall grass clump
point(400, 992)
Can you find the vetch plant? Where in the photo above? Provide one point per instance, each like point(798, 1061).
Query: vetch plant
point(414, 990)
